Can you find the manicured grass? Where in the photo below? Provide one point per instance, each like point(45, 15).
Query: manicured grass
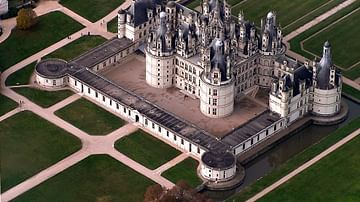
point(77, 47)
point(295, 43)
point(90, 118)
point(352, 73)
point(96, 178)
point(112, 26)
point(185, 170)
point(334, 178)
point(92, 10)
point(6, 104)
point(22, 44)
point(345, 51)
point(193, 4)
point(348, 90)
point(30, 144)
point(317, 12)
point(296, 161)
point(146, 149)
point(43, 98)
point(286, 11)
point(22, 76)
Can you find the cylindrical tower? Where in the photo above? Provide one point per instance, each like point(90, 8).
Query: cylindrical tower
point(160, 55)
point(217, 84)
point(218, 166)
point(121, 23)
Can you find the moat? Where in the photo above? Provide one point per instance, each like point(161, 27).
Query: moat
point(284, 150)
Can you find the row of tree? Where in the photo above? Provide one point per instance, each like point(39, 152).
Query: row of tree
point(181, 192)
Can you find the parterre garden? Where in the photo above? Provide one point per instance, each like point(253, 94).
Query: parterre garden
point(96, 178)
point(185, 170)
point(43, 98)
point(6, 104)
point(49, 30)
point(30, 144)
point(90, 118)
point(341, 29)
point(146, 149)
point(92, 10)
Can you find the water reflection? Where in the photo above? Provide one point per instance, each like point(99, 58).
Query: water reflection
point(291, 146)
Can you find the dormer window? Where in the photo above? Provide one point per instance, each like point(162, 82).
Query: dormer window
point(216, 75)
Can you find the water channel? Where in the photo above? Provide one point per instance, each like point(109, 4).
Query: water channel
point(286, 149)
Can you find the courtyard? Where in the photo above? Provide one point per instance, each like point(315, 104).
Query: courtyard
point(131, 76)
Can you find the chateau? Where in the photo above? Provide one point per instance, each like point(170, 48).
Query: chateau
point(213, 57)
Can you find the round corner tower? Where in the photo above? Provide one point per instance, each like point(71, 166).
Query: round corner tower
point(159, 53)
point(216, 83)
point(121, 23)
point(327, 85)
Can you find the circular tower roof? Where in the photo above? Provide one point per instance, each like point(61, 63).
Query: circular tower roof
point(52, 68)
point(218, 160)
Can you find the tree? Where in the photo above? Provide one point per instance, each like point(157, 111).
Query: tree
point(153, 193)
point(26, 18)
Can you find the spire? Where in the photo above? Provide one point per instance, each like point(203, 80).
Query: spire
point(326, 58)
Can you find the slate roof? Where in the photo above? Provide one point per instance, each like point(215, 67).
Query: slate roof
point(102, 52)
point(166, 119)
point(250, 128)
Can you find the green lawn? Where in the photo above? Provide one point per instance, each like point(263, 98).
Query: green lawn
point(90, 118)
point(295, 162)
point(295, 42)
point(350, 91)
point(352, 73)
point(185, 170)
point(43, 98)
point(77, 47)
point(146, 149)
point(193, 4)
point(305, 19)
point(22, 44)
point(30, 144)
point(112, 25)
point(345, 52)
point(334, 178)
point(96, 178)
point(22, 76)
point(287, 12)
point(6, 104)
point(92, 10)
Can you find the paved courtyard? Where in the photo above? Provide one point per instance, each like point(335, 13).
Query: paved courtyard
point(131, 76)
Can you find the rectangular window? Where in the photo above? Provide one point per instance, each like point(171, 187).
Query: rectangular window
point(110, 102)
point(182, 141)
point(117, 105)
point(159, 129)
point(89, 91)
point(146, 122)
point(167, 133)
point(153, 125)
point(215, 92)
point(54, 82)
point(124, 110)
point(103, 98)
point(75, 83)
point(214, 102)
point(175, 137)
point(96, 94)
point(198, 150)
point(214, 111)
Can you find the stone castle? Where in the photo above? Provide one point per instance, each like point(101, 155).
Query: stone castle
point(211, 56)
